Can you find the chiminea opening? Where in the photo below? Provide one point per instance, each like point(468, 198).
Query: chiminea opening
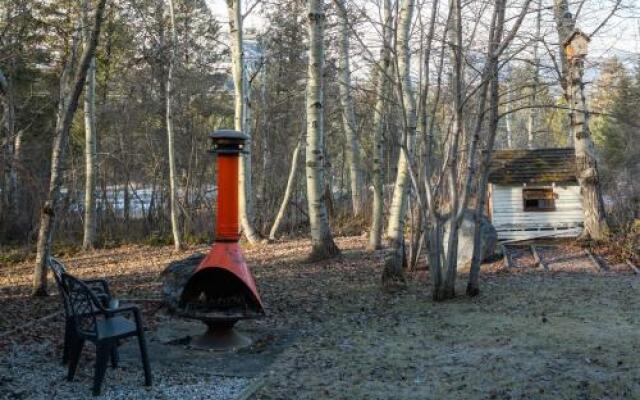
point(217, 291)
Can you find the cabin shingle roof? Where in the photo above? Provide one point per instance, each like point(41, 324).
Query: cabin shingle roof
point(533, 166)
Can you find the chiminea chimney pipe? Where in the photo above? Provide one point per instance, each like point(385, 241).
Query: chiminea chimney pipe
point(227, 145)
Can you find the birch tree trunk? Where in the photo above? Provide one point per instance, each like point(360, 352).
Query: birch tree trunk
point(264, 143)
point(508, 118)
point(288, 191)
point(446, 289)
point(234, 9)
point(489, 74)
point(392, 274)
point(595, 224)
point(67, 108)
point(348, 113)
point(424, 129)
point(245, 177)
point(90, 133)
point(10, 191)
point(322, 242)
point(473, 287)
point(531, 121)
point(382, 89)
point(173, 180)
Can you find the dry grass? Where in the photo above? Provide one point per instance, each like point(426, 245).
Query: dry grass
point(530, 334)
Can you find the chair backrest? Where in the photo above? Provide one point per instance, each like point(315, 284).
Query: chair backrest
point(59, 269)
point(83, 304)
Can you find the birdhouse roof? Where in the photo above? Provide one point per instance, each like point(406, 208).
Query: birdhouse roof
point(576, 32)
point(519, 166)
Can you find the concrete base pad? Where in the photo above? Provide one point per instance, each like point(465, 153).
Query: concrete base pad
point(177, 343)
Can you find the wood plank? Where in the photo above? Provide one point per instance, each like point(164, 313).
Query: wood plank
point(537, 259)
point(539, 217)
point(526, 235)
point(599, 265)
point(506, 257)
point(251, 389)
point(633, 267)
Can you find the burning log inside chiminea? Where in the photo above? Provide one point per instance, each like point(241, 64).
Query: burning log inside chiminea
point(218, 289)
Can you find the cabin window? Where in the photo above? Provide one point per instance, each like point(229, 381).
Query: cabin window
point(539, 199)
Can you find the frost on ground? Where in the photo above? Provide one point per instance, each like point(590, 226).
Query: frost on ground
point(531, 334)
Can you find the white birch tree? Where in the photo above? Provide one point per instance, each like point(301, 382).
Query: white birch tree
point(382, 91)
point(533, 112)
point(473, 287)
point(90, 132)
point(12, 147)
point(288, 190)
point(322, 242)
point(352, 149)
point(173, 180)
point(234, 9)
point(392, 275)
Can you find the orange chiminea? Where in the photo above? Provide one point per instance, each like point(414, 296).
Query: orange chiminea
point(221, 289)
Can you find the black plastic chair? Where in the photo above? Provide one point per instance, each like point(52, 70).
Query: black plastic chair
point(101, 289)
point(102, 326)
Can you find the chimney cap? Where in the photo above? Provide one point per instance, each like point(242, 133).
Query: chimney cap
point(228, 134)
point(228, 141)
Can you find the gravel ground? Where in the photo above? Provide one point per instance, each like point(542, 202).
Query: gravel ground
point(34, 372)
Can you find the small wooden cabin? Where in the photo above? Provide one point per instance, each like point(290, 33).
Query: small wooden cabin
point(534, 193)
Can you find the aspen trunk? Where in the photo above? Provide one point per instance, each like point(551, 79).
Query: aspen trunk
point(9, 198)
point(348, 113)
point(322, 242)
point(14, 185)
point(287, 193)
point(508, 119)
point(531, 121)
point(424, 129)
point(375, 236)
point(473, 287)
point(234, 9)
point(246, 177)
point(595, 224)
point(67, 108)
point(173, 180)
point(89, 238)
point(264, 144)
point(392, 273)
point(447, 289)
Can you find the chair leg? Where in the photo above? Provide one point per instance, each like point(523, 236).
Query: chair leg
point(75, 351)
point(115, 357)
point(145, 358)
point(66, 350)
point(103, 350)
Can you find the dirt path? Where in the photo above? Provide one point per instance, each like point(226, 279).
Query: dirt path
point(530, 334)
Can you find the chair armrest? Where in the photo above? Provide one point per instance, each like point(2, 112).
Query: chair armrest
point(128, 310)
point(109, 303)
point(114, 303)
point(98, 285)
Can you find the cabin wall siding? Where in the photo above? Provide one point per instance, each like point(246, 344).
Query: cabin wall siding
point(512, 222)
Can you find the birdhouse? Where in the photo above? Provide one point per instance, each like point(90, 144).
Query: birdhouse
point(576, 45)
